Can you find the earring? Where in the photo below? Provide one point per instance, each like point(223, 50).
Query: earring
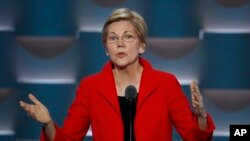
point(107, 53)
point(141, 51)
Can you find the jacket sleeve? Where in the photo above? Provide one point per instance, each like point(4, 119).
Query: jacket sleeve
point(184, 120)
point(77, 122)
point(205, 135)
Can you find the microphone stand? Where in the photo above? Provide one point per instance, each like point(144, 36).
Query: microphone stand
point(130, 94)
point(131, 120)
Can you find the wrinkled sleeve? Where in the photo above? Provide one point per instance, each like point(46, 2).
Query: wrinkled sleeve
point(207, 134)
point(183, 119)
point(77, 121)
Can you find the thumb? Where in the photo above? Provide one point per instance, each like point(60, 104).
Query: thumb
point(34, 99)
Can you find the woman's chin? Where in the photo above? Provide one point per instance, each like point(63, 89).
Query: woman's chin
point(121, 64)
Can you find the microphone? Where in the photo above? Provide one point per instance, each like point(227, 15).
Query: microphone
point(130, 93)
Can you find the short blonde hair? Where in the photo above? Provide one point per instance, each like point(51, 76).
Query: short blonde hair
point(133, 17)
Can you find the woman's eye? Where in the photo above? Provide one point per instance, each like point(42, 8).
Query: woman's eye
point(112, 38)
point(128, 36)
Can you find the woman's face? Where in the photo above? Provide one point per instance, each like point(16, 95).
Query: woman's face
point(123, 46)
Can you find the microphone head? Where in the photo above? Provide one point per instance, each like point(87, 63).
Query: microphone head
point(130, 93)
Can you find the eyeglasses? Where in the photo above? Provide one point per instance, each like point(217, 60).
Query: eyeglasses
point(124, 37)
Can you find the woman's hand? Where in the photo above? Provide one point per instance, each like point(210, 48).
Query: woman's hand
point(197, 100)
point(197, 103)
point(37, 110)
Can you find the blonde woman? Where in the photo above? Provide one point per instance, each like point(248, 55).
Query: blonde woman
point(100, 100)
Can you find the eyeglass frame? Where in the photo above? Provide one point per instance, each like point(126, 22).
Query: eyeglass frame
point(121, 37)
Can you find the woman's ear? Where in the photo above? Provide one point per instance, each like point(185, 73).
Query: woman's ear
point(105, 47)
point(142, 48)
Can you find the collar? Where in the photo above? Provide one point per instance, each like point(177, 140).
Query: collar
point(106, 84)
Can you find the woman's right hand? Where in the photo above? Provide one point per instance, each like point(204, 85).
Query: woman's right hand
point(37, 110)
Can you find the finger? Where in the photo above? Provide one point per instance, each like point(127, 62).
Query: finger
point(197, 98)
point(196, 87)
point(34, 99)
point(192, 90)
point(196, 95)
point(24, 105)
point(32, 109)
point(196, 105)
point(198, 102)
point(192, 97)
point(21, 103)
point(195, 102)
point(192, 86)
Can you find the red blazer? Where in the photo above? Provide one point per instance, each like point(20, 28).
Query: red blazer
point(161, 105)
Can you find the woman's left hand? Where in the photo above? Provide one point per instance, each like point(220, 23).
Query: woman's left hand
point(197, 100)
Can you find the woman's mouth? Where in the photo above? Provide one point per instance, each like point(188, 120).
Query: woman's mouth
point(120, 54)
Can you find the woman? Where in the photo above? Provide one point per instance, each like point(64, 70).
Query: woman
point(160, 103)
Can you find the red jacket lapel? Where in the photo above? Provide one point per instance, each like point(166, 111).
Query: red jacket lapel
point(106, 85)
point(149, 82)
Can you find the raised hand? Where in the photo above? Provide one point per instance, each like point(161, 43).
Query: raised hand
point(197, 100)
point(36, 110)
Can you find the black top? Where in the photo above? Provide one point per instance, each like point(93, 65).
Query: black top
point(125, 111)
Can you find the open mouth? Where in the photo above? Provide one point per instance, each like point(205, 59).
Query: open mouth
point(121, 54)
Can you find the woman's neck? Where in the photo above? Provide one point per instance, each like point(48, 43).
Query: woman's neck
point(129, 75)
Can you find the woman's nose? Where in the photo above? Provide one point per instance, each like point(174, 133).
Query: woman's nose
point(120, 42)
